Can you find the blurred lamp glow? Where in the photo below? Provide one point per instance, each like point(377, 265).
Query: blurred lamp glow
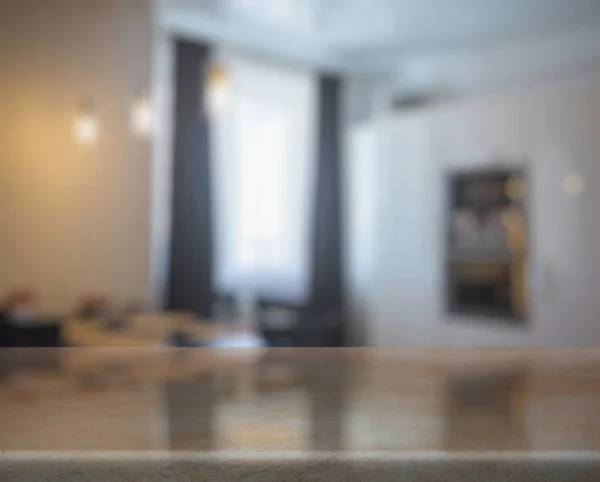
point(217, 93)
point(141, 116)
point(573, 184)
point(87, 127)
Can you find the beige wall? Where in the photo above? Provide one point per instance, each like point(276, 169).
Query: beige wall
point(73, 220)
point(552, 131)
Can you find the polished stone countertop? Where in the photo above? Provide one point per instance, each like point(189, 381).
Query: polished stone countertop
point(100, 413)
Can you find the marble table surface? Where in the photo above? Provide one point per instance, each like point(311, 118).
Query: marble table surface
point(303, 414)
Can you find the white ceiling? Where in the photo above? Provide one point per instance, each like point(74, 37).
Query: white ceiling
point(424, 41)
point(436, 24)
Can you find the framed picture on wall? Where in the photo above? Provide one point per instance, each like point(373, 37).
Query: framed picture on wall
point(486, 244)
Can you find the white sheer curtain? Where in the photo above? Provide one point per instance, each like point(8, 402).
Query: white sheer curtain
point(264, 176)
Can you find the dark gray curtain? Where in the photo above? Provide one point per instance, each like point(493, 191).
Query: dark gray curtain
point(327, 257)
point(190, 276)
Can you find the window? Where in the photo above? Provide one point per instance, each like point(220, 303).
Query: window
point(264, 179)
point(263, 137)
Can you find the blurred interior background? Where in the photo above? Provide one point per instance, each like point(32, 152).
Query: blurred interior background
point(299, 172)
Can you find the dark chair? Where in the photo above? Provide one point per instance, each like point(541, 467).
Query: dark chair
point(288, 325)
point(5, 334)
point(47, 334)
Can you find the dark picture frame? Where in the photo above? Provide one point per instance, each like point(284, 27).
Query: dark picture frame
point(486, 244)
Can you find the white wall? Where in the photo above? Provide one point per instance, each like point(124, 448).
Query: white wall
point(553, 131)
point(359, 201)
point(73, 220)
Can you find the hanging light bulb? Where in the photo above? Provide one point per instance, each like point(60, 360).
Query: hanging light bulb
point(217, 93)
point(142, 116)
point(573, 184)
point(87, 126)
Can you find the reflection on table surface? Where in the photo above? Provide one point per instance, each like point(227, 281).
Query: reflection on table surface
point(300, 399)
